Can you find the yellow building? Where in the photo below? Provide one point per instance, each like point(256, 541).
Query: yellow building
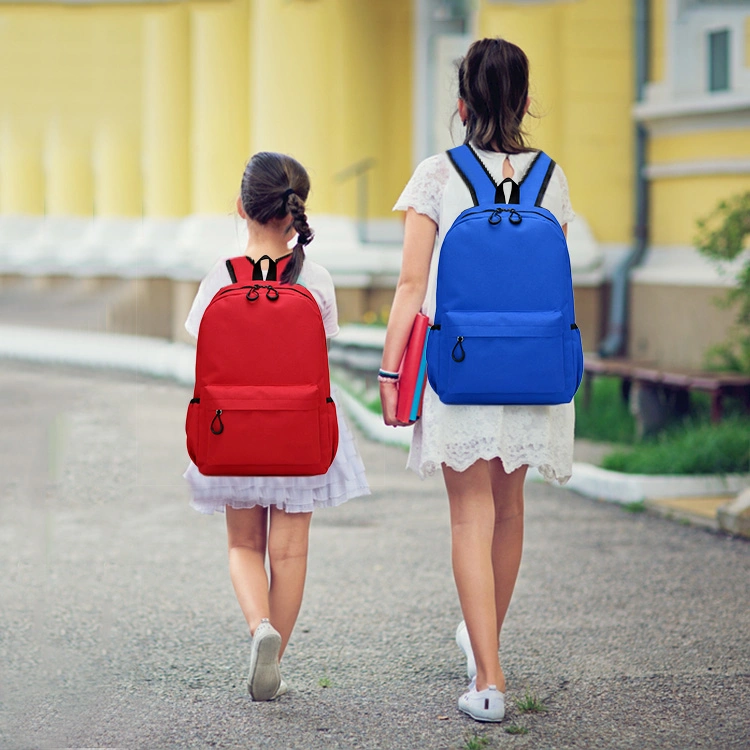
point(149, 111)
point(695, 110)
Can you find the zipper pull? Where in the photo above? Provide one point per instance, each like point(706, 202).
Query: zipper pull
point(496, 216)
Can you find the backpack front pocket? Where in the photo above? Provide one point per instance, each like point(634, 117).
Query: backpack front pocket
point(502, 357)
point(259, 429)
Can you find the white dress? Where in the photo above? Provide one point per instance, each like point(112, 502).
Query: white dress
point(459, 435)
point(345, 478)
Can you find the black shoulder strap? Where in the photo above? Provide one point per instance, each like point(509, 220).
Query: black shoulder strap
point(483, 188)
point(534, 184)
point(232, 274)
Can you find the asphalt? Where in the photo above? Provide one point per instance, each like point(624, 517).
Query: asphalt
point(119, 628)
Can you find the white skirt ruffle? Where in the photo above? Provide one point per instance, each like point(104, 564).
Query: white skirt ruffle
point(458, 435)
point(344, 480)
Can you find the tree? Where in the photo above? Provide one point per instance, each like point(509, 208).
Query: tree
point(723, 237)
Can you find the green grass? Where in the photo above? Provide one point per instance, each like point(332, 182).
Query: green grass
point(372, 404)
point(638, 506)
point(691, 448)
point(516, 729)
point(475, 742)
point(325, 682)
point(530, 703)
point(608, 418)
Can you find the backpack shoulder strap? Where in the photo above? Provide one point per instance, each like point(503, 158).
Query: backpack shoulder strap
point(244, 270)
point(484, 189)
point(471, 170)
point(534, 184)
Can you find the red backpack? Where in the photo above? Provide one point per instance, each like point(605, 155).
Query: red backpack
point(262, 402)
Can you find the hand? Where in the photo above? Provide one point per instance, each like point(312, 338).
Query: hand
point(389, 400)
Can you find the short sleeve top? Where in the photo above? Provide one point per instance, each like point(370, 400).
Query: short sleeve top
point(436, 190)
point(425, 190)
point(314, 277)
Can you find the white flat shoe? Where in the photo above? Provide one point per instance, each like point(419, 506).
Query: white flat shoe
point(283, 690)
point(463, 642)
point(483, 705)
point(264, 679)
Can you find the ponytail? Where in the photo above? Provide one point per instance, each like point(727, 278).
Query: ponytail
point(493, 82)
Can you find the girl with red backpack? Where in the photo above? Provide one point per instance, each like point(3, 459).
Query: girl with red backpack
point(270, 515)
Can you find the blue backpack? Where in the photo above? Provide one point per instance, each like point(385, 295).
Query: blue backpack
point(504, 329)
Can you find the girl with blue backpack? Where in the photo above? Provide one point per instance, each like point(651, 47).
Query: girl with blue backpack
point(485, 439)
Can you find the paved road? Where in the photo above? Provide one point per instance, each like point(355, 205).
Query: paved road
point(119, 629)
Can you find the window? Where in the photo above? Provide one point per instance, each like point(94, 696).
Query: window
point(718, 60)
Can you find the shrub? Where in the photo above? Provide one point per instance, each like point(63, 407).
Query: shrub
point(608, 418)
point(690, 449)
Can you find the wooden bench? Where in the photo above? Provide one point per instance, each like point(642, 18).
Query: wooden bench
point(672, 381)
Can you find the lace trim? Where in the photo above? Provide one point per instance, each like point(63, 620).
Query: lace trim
point(538, 436)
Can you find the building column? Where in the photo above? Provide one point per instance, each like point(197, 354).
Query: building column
point(117, 172)
point(166, 112)
point(21, 170)
point(67, 167)
point(219, 103)
point(296, 84)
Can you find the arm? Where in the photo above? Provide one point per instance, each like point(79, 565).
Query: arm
point(419, 239)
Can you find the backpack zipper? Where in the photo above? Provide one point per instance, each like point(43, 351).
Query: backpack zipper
point(478, 211)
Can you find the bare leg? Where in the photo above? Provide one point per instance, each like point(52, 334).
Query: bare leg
point(472, 531)
point(507, 541)
point(287, 553)
point(246, 536)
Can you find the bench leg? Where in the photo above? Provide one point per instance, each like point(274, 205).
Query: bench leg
point(716, 406)
point(625, 385)
point(648, 405)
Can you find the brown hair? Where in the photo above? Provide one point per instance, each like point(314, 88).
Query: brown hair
point(274, 185)
point(493, 81)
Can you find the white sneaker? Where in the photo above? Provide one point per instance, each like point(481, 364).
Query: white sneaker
point(483, 705)
point(463, 642)
point(264, 679)
point(283, 690)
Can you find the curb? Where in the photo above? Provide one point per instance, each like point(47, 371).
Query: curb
point(176, 361)
point(632, 488)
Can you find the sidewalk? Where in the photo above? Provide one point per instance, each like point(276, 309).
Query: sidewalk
point(119, 627)
point(694, 500)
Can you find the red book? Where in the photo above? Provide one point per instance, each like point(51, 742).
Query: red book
point(413, 371)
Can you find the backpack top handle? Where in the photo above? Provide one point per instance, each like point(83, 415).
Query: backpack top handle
point(244, 269)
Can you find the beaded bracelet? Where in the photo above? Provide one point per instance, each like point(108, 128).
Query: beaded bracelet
point(386, 376)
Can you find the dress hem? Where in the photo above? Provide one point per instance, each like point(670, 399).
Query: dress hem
point(209, 507)
point(430, 468)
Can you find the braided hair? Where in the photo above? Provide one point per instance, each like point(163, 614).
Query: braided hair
point(273, 186)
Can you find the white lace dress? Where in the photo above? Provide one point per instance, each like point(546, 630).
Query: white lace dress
point(459, 435)
point(345, 478)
